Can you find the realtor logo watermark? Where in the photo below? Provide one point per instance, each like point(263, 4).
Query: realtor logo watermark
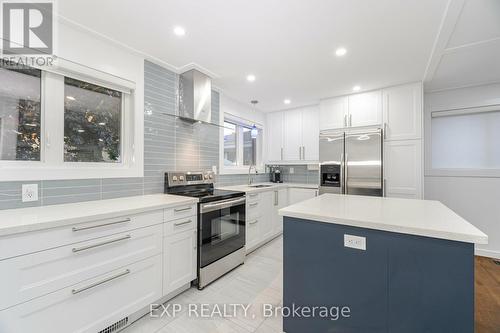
point(28, 32)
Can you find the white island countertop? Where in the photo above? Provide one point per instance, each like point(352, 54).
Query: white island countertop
point(13, 221)
point(414, 217)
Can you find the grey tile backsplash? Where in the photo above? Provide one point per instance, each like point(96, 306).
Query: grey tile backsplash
point(169, 144)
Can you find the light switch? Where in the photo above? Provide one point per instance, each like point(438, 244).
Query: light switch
point(355, 242)
point(30, 192)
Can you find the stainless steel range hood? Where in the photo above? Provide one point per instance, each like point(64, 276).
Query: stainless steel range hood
point(195, 97)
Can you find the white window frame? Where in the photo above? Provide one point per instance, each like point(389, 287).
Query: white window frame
point(51, 165)
point(239, 168)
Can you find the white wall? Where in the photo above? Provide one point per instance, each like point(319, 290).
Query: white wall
point(240, 110)
point(474, 198)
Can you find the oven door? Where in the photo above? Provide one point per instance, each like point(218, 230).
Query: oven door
point(221, 229)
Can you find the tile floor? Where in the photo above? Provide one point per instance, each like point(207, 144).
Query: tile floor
point(259, 281)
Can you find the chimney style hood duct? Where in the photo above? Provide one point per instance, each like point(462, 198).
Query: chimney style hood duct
point(195, 96)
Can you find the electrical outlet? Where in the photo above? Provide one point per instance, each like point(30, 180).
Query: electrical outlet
point(292, 170)
point(30, 192)
point(355, 242)
point(214, 169)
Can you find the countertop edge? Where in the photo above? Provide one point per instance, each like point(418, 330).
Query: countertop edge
point(64, 221)
point(389, 228)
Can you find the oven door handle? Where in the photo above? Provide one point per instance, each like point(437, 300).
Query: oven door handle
point(220, 205)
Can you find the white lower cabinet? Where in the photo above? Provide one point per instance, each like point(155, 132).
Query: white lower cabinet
point(37, 274)
point(280, 201)
point(403, 169)
point(300, 194)
point(92, 305)
point(91, 276)
point(179, 260)
point(259, 219)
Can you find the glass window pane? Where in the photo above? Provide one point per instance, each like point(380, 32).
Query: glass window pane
point(20, 113)
point(467, 141)
point(230, 155)
point(92, 122)
point(249, 147)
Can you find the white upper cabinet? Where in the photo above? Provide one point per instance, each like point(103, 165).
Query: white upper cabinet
point(402, 107)
point(310, 134)
point(333, 113)
point(293, 135)
point(275, 136)
point(365, 109)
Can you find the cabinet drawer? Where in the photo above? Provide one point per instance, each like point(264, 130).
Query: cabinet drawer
point(30, 242)
point(30, 276)
point(173, 227)
point(252, 197)
point(254, 209)
point(181, 212)
point(92, 305)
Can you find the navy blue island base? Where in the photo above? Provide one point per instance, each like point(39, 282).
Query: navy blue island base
point(401, 283)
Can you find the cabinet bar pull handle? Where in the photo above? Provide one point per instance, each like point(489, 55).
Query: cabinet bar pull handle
point(253, 204)
point(90, 286)
point(254, 221)
point(276, 198)
point(282, 153)
point(100, 225)
point(384, 190)
point(303, 152)
point(350, 120)
point(178, 210)
point(345, 120)
point(253, 195)
point(385, 131)
point(88, 247)
point(182, 223)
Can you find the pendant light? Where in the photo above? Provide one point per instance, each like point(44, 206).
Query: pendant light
point(254, 132)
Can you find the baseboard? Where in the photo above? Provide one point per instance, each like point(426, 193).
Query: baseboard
point(146, 310)
point(487, 253)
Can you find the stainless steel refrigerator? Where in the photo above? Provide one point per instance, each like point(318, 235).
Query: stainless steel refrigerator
point(351, 162)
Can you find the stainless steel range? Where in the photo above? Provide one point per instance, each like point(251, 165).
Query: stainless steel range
point(221, 223)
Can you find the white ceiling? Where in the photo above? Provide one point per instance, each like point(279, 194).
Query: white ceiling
point(289, 44)
point(469, 46)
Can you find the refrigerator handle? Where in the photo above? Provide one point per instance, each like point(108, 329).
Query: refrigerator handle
point(346, 166)
point(384, 191)
point(341, 173)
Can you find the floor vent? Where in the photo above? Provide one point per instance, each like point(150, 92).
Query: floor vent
point(496, 262)
point(116, 326)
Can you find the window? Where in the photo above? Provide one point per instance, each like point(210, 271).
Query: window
point(67, 122)
point(466, 140)
point(92, 122)
point(230, 141)
point(20, 114)
point(240, 150)
point(249, 147)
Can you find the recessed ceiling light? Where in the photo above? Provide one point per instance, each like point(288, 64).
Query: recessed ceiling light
point(287, 101)
point(341, 51)
point(71, 98)
point(179, 31)
point(356, 88)
point(250, 78)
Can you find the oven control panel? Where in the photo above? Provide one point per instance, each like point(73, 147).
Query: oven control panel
point(189, 178)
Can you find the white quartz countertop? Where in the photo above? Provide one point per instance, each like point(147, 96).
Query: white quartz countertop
point(273, 186)
point(415, 217)
point(14, 221)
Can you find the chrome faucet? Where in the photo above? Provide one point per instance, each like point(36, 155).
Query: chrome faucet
point(250, 177)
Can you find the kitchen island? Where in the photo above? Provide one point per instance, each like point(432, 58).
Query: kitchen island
point(392, 265)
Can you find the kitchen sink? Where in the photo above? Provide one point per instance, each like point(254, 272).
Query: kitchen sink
point(259, 186)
